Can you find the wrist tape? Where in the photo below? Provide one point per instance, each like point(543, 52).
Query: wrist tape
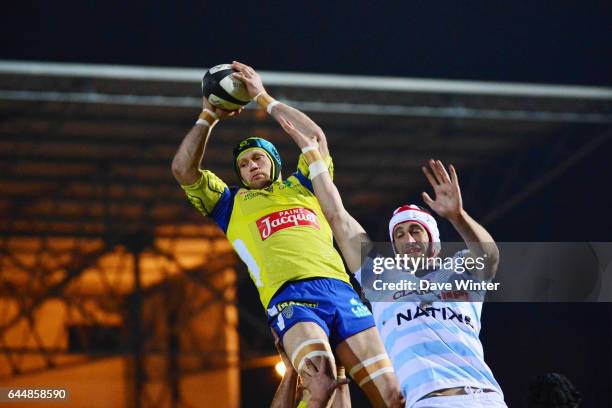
point(317, 168)
point(266, 101)
point(207, 118)
point(311, 153)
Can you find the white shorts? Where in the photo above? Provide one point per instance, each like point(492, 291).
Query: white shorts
point(477, 399)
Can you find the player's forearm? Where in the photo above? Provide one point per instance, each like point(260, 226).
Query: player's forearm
point(285, 394)
point(349, 234)
point(278, 110)
point(186, 162)
point(301, 121)
point(316, 403)
point(319, 398)
point(306, 126)
point(329, 198)
point(298, 137)
point(353, 242)
point(478, 240)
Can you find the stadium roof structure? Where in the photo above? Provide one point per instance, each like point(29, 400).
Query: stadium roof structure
point(86, 149)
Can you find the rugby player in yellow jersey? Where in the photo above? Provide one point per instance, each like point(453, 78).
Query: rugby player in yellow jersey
point(279, 231)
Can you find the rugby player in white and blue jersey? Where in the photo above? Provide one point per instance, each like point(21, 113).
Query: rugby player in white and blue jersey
point(434, 344)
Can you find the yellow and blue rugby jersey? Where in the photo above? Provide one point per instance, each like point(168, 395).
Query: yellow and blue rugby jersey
point(280, 232)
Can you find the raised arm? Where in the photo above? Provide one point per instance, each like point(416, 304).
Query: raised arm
point(279, 110)
point(449, 204)
point(190, 154)
point(349, 234)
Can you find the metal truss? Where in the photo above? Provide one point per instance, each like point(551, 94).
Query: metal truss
point(156, 326)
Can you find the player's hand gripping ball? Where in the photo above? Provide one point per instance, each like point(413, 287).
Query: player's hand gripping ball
point(222, 90)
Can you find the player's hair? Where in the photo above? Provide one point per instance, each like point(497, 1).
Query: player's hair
point(552, 390)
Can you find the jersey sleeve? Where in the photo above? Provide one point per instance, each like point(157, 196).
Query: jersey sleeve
point(211, 197)
point(302, 173)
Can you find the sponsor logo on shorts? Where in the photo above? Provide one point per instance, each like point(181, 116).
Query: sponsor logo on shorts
point(288, 312)
point(359, 309)
point(279, 220)
point(280, 306)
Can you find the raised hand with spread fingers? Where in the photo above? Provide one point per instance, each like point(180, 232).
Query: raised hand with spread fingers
point(447, 202)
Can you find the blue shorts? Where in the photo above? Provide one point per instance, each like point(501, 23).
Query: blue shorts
point(332, 304)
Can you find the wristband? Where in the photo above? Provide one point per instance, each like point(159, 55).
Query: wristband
point(211, 113)
point(258, 95)
point(207, 118)
point(270, 106)
point(202, 122)
point(308, 148)
point(316, 169)
point(264, 100)
point(311, 155)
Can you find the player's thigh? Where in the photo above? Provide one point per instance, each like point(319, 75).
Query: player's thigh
point(365, 345)
point(307, 340)
point(368, 364)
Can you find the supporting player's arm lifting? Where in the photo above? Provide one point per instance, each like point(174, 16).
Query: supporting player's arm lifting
point(285, 393)
point(188, 158)
point(321, 382)
point(449, 204)
point(280, 111)
point(349, 234)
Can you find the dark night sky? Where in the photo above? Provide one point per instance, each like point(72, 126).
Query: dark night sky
point(556, 42)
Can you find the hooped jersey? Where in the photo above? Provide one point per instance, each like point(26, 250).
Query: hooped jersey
point(433, 344)
point(279, 232)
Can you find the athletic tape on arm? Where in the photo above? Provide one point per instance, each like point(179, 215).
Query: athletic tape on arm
point(317, 168)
